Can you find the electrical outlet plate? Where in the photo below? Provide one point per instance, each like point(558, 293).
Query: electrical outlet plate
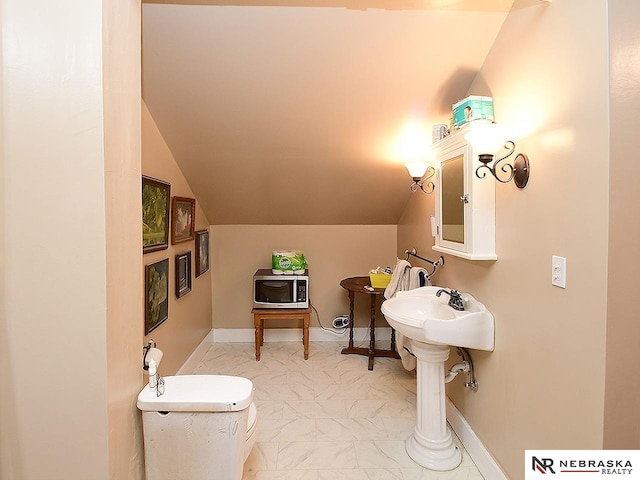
point(559, 271)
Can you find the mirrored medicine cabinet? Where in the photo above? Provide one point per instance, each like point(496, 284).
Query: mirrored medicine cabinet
point(465, 204)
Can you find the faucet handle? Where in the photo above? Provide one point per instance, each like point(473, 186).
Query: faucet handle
point(451, 292)
point(455, 298)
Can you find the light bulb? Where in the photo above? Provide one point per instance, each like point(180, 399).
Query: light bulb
point(417, 169)
point(486, 137)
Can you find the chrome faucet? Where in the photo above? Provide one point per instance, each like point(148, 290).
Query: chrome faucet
point(455, 300)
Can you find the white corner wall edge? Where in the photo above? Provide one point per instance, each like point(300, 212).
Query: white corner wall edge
point(485, 462)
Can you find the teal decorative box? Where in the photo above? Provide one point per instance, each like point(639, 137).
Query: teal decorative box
point(472, 108)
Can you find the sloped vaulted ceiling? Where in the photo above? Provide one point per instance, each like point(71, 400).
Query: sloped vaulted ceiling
point(293, 112)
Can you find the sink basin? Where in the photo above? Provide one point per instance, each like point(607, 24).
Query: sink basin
point(421, 316)
point(431, 326)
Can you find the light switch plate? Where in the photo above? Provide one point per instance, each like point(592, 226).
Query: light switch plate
point(559, 271)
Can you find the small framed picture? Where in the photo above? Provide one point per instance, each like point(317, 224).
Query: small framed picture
point(202, 252)
point(183, 274)
point(155, 214)
point(156, 280)
point(183, 215)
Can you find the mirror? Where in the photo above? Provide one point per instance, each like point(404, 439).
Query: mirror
point(452, 200)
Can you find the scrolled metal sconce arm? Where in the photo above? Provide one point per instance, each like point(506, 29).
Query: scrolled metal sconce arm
point(421, 182)
point(519, 171)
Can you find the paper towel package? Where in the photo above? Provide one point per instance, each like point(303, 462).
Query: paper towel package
point(289, 262)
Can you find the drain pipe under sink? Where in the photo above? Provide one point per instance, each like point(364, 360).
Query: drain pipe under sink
point(455, 370)
point(465, 366)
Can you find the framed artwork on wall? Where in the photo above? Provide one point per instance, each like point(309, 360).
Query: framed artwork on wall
point(155, 214)
point(183, 215)
point(183, 274)
point(202, 252)
point(156, 282)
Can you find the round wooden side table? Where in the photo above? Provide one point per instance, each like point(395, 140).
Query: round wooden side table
point(355, 285)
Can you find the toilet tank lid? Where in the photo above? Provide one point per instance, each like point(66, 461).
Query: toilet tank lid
point(198, 393)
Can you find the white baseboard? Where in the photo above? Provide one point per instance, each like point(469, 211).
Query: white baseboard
point(247, 335)
point(485, 462)
point(316, 334)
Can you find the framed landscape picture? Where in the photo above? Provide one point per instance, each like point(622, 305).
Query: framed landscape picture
point(155, 214)
point(183, 274)
point(156, 281)
point(202, 252)
point(183, 216)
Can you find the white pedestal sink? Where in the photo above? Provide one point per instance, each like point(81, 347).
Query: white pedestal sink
point(432, 326)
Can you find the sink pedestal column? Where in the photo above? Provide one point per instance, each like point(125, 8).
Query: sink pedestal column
point(431, 444)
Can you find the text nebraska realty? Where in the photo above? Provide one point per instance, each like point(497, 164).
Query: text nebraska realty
point(606, 467)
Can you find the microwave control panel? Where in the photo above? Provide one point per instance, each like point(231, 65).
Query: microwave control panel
point(302, 291)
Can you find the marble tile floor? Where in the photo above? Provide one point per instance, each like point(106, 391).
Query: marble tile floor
point(327, 418)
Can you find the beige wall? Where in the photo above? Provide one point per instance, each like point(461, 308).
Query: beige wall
point(190, 316)
point(54, 319)
point(543, 386)
point(334, 252)
point(622, 399)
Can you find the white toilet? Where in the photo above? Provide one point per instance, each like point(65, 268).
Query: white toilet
point(250, 438)
point(201, 428)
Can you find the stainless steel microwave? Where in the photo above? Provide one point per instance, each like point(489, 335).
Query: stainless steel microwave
point(280, 291)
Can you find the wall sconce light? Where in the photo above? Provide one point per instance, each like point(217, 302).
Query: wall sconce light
point(418, 170)
point(487, 139)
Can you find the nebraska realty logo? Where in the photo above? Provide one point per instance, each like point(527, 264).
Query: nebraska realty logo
point(581, 463)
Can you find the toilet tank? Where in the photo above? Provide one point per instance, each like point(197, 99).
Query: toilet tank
point(196, 430)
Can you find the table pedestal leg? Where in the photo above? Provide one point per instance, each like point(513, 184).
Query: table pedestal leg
point(351, 302)
point(372, 332)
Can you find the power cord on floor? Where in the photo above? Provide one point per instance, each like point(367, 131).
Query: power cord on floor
point(342, 332)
